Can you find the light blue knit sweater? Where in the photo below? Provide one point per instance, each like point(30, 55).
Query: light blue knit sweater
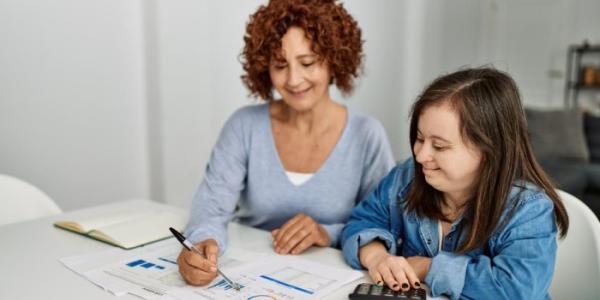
point(245, 180)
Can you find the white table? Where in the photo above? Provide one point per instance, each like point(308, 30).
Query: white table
point(29, 254)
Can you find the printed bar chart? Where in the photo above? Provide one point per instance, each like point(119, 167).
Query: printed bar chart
point(144, 264)
point(223, 285)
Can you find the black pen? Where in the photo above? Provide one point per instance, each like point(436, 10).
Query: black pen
point(188, 245)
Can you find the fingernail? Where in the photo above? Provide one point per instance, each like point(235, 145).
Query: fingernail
point(213, 269)
point(405, 285)
point(379, 282)
point(417, 284)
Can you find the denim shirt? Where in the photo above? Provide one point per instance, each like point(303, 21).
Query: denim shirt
point(517, 262)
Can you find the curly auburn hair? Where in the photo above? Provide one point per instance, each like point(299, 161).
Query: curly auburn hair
point(335, 37)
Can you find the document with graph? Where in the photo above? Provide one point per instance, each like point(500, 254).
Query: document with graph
point(275, 278)
point(152, 273)
point(149, 272)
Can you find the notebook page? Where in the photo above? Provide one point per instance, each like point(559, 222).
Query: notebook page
point(144, 229)
point(94, 222)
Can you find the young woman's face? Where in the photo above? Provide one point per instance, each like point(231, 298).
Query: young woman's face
point(450, 163)
point(300, 77)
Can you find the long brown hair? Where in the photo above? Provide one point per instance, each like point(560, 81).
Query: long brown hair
point(491, 117)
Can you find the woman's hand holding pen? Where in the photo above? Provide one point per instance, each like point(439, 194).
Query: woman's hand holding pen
point(395, 271)
point(195, 269)
point(298, 234)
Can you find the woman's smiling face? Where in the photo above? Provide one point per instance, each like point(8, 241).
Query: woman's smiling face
point(449, 162)
point(299, 75)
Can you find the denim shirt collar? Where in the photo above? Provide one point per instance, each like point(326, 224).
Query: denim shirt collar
point(430, 235)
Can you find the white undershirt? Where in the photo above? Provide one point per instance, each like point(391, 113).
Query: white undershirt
point(298, 178)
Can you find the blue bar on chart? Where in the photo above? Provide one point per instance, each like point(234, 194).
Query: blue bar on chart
point(286, 284)
point(136, 263)
point(223, 284)
point(144, 264)
point(148, 265)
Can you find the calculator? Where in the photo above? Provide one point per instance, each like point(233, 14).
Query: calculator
point(369, 291)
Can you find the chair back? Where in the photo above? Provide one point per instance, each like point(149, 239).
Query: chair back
point(22, 201)
point(577, 269)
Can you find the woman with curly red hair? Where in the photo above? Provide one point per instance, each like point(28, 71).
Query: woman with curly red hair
point(297, 165)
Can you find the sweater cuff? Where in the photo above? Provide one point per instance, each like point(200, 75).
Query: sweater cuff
point(446, 274)
point(333, 230)
point(200, 235)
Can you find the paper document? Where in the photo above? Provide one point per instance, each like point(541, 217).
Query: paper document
point(151, 272)
point(148, 272)
point(275, 277)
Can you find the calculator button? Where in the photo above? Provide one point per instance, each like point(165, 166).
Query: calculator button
point(418, 294)
point(388, 292)
point(376, 290)
point(363, 289)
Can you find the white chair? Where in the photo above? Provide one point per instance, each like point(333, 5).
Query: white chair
point(577, 270)
point(22, 201)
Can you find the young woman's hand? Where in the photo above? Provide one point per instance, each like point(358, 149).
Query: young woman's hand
point(298, 234)
point(395, 271)
point(197, 270)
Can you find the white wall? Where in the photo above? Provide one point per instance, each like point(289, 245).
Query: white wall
point(198, 44)
point(72, 104)
point(381, 90)
point(531, 48)
point(528, 39)
point(105, 100)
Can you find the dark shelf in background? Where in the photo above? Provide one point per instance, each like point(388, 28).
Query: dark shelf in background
point(573, 82)
point(589, 48)
point(584, 87)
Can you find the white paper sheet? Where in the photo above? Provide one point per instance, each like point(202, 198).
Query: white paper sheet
point(151, 273)
point(275, 278)
point(148, 272)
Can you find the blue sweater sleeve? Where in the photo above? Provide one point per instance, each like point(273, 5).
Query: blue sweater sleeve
point(520, 265)
point(215, 199)
point(369, 220)
point(378, 161)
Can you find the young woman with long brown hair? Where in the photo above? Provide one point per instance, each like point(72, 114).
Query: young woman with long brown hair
point(472, 214)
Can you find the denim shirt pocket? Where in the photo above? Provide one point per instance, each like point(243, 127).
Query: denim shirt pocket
point(413, 244)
